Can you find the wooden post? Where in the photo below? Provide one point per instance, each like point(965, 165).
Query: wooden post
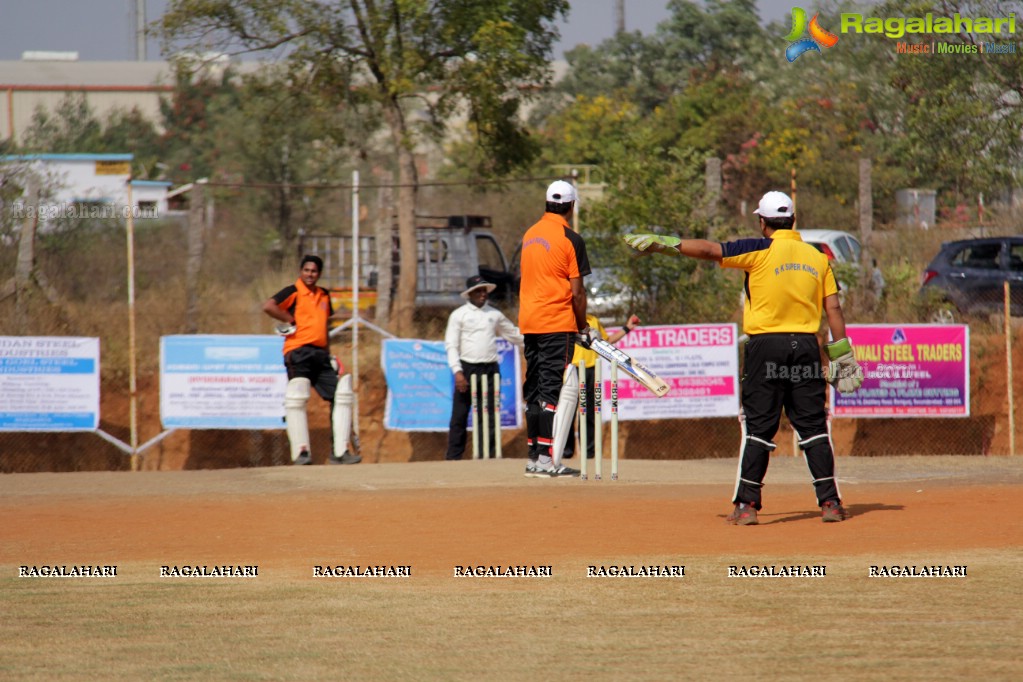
point(193, 266)
point(26, 256)
point(866, 206)
point(792, 188)
point(1008, 372)
point(133, 395)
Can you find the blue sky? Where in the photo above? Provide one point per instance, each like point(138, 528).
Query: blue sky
point(102, 29)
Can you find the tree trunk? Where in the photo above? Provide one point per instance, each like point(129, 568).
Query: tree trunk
point(408, 184)
point(384, 256)
point(26, 257)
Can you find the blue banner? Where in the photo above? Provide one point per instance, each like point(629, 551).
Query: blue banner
point(420, 385)
point(222, 382)
point(49, 383)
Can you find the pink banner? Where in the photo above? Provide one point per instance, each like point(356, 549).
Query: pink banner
point(910, 370)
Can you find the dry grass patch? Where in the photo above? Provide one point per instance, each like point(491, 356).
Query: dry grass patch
point(703, 626)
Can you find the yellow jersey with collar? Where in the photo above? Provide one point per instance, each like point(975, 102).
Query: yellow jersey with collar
point(786, 282)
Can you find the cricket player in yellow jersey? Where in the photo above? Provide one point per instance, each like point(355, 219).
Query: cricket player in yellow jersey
point(788, 284)
point(303, 309)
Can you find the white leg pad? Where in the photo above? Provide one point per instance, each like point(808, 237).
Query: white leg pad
point(568, 405)
point(295, 398)
point(341, 420)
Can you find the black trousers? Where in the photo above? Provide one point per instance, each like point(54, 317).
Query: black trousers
point(313, 363)
point(591, 419)
point(461, 405)
point(783, 371)
point(547, 355)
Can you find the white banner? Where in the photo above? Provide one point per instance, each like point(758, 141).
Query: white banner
point(700, 362)
point(222, 382)
point(49, 383)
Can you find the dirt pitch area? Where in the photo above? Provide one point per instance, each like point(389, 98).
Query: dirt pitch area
point(435, 517)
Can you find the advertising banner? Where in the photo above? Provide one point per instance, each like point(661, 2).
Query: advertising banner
point(909, 370)
point(49, 383)
point(700, 363)
point(420, 385)
point(222, 382)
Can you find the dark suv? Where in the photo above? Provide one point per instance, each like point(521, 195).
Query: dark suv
point(968, 277)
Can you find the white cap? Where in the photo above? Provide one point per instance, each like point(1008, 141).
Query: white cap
point(560, 192)
point(775, 205)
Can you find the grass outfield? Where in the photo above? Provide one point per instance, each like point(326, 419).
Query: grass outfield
point(286, 624)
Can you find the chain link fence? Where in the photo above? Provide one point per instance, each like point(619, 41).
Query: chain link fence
point(244, 260)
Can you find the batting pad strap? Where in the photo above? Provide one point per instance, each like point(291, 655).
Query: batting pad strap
point(821, 480)
point(766, 443)
point(755, 484)
point(811, 439)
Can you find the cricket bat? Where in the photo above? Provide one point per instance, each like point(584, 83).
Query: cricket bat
point(631, 367)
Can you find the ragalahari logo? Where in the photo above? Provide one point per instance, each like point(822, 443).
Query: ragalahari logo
point(818, 36)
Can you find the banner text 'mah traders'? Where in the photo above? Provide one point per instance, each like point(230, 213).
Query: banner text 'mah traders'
point(897, 27)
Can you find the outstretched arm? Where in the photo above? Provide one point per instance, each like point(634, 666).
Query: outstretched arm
point(658, 243)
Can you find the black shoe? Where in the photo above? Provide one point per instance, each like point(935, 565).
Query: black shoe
point(303, 458)
point(346, 458)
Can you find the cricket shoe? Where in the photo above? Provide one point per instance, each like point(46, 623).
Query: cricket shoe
point(346, 458)
point(743, 515)
point(832, 511)
point(303, 458)
point(533, 470)
point(552, 471)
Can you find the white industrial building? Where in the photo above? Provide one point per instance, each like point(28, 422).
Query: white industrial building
point(28, 84)
point(85, 186)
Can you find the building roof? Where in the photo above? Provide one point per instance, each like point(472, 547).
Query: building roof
point(65, 74)
point(67, 157)
point(72, 75)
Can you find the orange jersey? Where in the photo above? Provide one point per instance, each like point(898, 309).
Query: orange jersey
point(311, 308)
point(552, 254)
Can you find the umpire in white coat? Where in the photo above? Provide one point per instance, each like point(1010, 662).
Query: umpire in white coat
point(471, 345)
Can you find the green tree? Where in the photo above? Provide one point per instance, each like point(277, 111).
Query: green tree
point(417, 61)
point(652, 188)
point(190, 143)
point(130, 131)
point(71, 128)
point(280, 135)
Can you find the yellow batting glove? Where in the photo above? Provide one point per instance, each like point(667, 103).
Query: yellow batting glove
point(844, 373)
point(654, 243)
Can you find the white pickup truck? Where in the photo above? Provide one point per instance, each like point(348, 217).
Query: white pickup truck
point(450, 250)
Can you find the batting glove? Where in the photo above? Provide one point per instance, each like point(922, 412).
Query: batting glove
point(844, 373)
point(654, 243)
point(585, 337)
point(284, 329)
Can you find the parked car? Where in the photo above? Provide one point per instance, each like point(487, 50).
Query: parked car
point(842, 249)
point(838, 246)
point(968, 277)
point(605, 296)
